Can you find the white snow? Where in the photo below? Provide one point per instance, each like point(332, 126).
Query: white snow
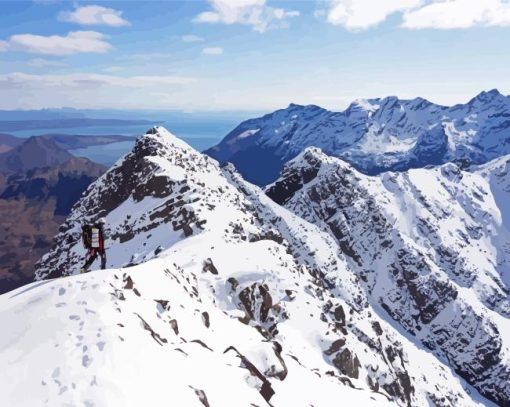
point(247, 133)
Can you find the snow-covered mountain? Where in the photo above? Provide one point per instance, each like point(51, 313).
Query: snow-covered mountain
point(430, 246)
point(218, 296)
point(373, 135)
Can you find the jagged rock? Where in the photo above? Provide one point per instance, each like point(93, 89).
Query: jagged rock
point(347, 363)
point(209, 267)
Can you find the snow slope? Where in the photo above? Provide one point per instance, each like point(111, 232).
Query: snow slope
point(215, 296)
point(373, 135)
point(430, 246)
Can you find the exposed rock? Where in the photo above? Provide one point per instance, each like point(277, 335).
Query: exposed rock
point(347, 363)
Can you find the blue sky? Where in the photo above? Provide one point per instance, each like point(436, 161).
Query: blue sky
point(249, 54)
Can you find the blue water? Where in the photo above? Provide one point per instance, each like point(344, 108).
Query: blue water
point(133, 130)
point(216, 130)
point(198, 130)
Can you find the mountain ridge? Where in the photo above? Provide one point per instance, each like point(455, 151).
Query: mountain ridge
point(374, 135)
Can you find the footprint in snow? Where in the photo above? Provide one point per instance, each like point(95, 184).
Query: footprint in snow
point(86, 361)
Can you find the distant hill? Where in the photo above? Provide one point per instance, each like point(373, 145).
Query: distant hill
point(33, 205)
point(65, 141)
point(35, 152)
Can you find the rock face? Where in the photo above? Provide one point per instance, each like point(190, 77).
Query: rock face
point(216, 289)
point(33, 205)
point(374, 135)
point(430, 246)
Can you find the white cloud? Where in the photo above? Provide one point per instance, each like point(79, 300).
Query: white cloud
point(43, 63)
point(363, 14)
point(191, 38)
point(94, 15)
point(438, 14)
point(73, 43)
point(4, 46)
point(98, 79)
point(212, 51)
point(21, 90)
point(459, 14)
point(254, 13)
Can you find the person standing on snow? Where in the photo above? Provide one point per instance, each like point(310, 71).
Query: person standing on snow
point(93, 240)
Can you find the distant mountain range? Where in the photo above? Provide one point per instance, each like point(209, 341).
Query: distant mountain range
point(373, 135)
point(65, 141)
point(39, 183)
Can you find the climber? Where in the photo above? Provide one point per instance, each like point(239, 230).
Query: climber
point(93, 241)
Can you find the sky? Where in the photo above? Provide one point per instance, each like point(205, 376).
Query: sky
point(260, 55)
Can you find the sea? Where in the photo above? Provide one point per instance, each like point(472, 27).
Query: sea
point(199, 131)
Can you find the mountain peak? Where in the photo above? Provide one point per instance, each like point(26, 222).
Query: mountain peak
point(165, 138)
point(41, 142)
point(300, 171)
point(294, 106)
point(492, 92)
point(35, 152)
point(314, 157)
point(487, 96)
point(369, 105)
